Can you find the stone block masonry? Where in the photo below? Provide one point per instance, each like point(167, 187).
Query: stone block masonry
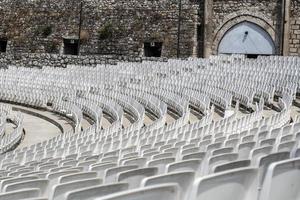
point(121, 28)
point(39, 60)
point(108, 26)
point(294, 42)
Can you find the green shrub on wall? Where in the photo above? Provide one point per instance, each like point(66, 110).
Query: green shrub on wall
point(44, 31)
point(52, 47)
point(106, 32)
point(47, 30)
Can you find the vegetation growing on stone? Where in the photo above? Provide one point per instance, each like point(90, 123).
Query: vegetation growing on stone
point(106, 32)
point(44, 31)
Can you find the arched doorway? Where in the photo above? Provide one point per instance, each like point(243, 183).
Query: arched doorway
point(246, 38)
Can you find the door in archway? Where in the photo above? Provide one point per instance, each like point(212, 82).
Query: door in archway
point(246, 38)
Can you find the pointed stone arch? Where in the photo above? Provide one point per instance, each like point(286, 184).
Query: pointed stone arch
point(230, 23)
point(246, 38)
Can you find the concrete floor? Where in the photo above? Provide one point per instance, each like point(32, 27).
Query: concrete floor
point(126, 122)
point(193, 118)
point(105, 123)
point(38, 129)
point(170, 119)
point(216, 116)
point(85, 124)
point(147, 121)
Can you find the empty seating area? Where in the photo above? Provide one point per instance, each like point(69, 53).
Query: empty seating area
point(233, 151)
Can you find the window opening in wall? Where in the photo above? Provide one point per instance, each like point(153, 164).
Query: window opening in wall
point(255, 56)
point(71, 46)
point(152, 49)
point(3, 45)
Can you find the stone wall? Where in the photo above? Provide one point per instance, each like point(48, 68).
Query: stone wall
point(39, 60)
point(120, 28)
point(294, 42)
point(39, 26)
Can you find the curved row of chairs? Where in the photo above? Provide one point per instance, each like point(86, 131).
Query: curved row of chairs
point(5, 111)
point(235, 156)
point(10, 140)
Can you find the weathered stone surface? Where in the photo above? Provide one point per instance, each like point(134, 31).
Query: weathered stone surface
point(120, 28)
point(295, 28)
point(40, 60)
point(39, 26)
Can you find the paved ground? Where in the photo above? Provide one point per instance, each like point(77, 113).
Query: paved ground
point(38, 129)
point(193, 118)
point(169, 119)
point(126, 122)
point(147, 121)
point(217, 117)
point(85, 124)
point(105, 123)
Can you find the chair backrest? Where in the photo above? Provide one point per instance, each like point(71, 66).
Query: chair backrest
point(232, 165)
point(222, 151)
point(56, 175)
point(220, 159)
point(59, 191)
point(296, 153)
point(257, 153)
point(286, 138)
point(286, 146)
point(164, 191)
point(275, 133)
point(198, 155)
point(100, 169)
point(244, 149)
point(265, 161)
point(77, 176)
point(267, 142)
point(112, 173)
point(237, 184)
point(282, 181)
point(20, 194)
point(192, 164)
point(214, 146)
point(89, 193)
point(41, 184)
point(184, 179)
point(161, 164)
point(141, 162)
point(162, 155)
point(287, 129)
point(134, 177)
point(86, 164)
point(189, 151)
point(5, 182)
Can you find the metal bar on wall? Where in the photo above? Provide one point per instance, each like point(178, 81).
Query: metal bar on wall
point(79, 29)
point(179, 29)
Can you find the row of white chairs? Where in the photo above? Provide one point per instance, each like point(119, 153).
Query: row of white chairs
point(235, 157)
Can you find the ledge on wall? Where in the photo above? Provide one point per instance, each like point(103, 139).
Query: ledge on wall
point(60, 60)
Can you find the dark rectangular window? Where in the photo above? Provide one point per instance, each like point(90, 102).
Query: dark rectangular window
point(71, 46)
point(152, 49)
point(252, 56)
point(3, 45)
